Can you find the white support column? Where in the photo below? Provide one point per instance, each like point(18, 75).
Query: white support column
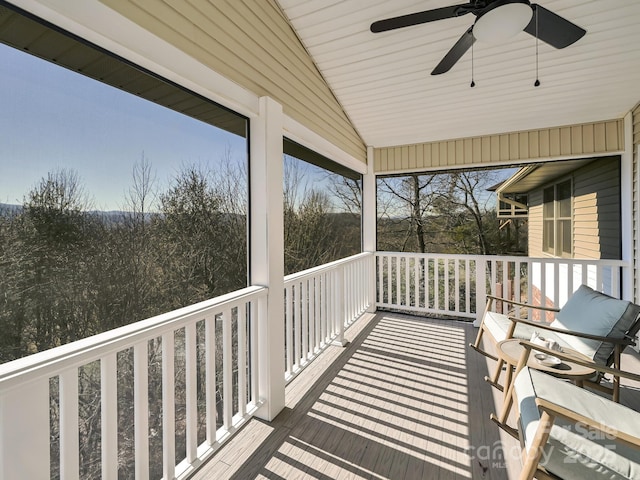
point(369, 217)
point(267, 250)
point(627, 210)
point(24, 432)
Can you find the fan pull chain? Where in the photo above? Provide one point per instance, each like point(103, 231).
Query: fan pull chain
point(473, 83)
point(537, 82)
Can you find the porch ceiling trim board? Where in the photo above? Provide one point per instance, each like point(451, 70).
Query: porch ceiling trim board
point(565, 142)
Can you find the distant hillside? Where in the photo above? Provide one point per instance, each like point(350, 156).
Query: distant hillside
point(8, 209)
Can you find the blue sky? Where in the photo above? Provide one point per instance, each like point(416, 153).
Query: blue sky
point(52, 118)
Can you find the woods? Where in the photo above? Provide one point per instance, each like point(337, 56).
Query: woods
point(67, 272)
point(449, 212)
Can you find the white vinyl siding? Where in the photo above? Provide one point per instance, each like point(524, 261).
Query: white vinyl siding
point(556, 143)
point(597, 210)
point(535, 223)
point(595, 215)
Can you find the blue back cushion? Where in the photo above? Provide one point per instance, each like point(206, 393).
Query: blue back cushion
point(592, 312)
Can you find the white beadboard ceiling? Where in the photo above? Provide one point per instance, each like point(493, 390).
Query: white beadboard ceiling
point(384, 84)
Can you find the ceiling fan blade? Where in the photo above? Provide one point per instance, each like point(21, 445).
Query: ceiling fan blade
point(457, 51)
point(419, 17)
point(553, 29)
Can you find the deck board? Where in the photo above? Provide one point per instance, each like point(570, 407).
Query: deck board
point(405, 399)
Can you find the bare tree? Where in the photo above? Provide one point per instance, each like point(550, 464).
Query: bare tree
point(408, 201)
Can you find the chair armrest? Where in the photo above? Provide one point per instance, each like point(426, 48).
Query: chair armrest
point(545, 326)
point(613, 426)
point(616, 372)
point(523, 304)
point(582, 405)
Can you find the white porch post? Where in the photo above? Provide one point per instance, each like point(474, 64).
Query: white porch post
point(369, 215)
point(626, 202)
point(24, 431)
point(267, 250)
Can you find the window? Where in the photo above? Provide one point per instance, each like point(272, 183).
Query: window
point(322, 209)
point(556, 213)
point(122, 194)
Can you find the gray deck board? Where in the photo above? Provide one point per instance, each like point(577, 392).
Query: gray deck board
point(405, 399)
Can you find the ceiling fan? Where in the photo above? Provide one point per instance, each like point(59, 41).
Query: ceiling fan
point(496, 21)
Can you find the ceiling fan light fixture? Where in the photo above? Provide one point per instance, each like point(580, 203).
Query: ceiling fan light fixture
point(503, 21)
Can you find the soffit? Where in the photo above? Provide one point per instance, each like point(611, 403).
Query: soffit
point(533, 176)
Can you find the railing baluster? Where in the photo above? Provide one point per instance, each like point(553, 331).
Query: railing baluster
point(516, 285)
point(168, 406)
point(141, 409)
point(255, 378)
point(456, 280)
point(304, 305)
point(297, 336)
point(436, 284)
point(389, 279)
point(227, 370)
point(191, 387)
point(427, 284)
point(543, 283)
point(210, 378)
point(416, 283)
point(467, 286)
point(570, 275)
point(69, 440)
point(242, 359)
point(312, 315)
point(109, 414)
point(323, 309)
point(398, 275)
point(407, 282)
point(289, 328)
point(318, 320)
point(556, 284)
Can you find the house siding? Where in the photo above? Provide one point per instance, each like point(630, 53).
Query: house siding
point(596, 211)
point(252, 44)
point(535, 224)
point(558, 142)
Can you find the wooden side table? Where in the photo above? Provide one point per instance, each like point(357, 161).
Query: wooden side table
point(510, 351)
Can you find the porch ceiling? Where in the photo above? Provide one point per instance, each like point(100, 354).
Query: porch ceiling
point(384, 84)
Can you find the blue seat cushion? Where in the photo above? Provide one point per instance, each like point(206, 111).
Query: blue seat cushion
point(573, 452)
point(497, 324)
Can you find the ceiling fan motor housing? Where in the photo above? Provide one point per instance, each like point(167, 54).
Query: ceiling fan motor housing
point(502, 20)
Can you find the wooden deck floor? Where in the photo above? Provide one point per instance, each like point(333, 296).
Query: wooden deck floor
point(404, 400)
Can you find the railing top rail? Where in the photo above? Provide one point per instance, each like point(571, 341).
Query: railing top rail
point(325, 267)
point(508, 258)
point(83, 351)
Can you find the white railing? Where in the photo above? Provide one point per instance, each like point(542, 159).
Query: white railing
point(179, 383)
point(320, 303)
point(456, 285)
